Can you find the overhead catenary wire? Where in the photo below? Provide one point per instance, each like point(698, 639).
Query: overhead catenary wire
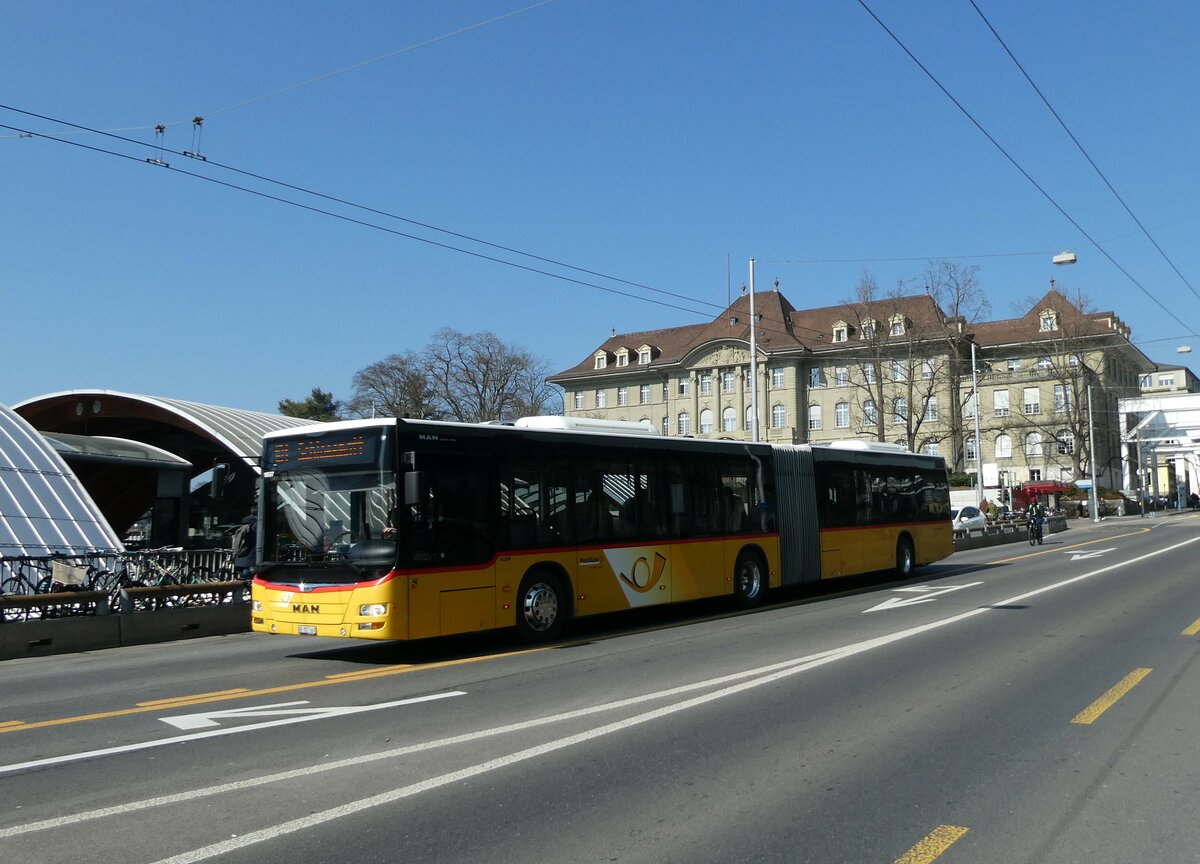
point(1022, 170)
point(1082, 150)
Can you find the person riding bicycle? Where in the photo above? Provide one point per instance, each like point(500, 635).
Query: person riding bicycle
point(1035, 515)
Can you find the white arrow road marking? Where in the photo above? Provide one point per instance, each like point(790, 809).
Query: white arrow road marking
point(1095, 553)
point(927, 593)
point(294, 716)
point(206, 719)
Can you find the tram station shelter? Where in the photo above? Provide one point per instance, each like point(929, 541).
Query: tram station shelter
point(161, 471)
point(1161, 456)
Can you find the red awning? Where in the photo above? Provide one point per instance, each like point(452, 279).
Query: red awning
point(1048, 488)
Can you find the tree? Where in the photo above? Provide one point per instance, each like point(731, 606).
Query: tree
point(319, 406)
point(477, 377)
point(399, 385)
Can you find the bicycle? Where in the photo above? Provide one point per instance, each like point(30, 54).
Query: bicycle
point(1035, 531)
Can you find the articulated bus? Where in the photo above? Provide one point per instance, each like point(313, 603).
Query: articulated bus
point(406, 529)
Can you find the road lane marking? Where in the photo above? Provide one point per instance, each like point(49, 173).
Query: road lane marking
point(1090, 714)
point(1080, 556)
point(159, 703)
point(932, 845)
point(214, 733)
point(780, 670)
point(927, 594)
point(1194, 629)
point(12, 723)
point(1076, 546)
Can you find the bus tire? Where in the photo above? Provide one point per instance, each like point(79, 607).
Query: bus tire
point(749, 579)
point(541, 606)
point(906, 559)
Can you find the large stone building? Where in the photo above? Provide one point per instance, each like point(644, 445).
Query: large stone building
point(889, 369)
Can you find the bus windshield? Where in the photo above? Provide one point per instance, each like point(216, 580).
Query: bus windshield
point(331, 500)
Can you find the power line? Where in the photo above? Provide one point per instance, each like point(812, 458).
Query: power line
point(1086, 155)
point(1021, 169)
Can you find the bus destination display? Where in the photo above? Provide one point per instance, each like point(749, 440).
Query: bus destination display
point(332, 450)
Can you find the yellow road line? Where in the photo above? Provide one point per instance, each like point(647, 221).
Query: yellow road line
point(1058, 549)
point(933, 845)
point(226, 695)
point(174, 699)
point(370, 673)
point(1194, 629)
point(1089, 714)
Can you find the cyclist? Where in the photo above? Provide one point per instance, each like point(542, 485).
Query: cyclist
point(1035, 515)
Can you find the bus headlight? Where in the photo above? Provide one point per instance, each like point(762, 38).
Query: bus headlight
point(256, 605)
point(372, 610)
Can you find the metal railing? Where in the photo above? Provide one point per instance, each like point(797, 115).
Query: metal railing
point(58, 585)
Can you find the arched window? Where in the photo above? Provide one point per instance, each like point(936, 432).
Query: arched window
point(841, 415)
point(899, 410)
point(931, 448)
point(814, 416)
point(706, 421)
point(971, 448)
point(778, 416)
point(728, 419)
point(1033, 444)
point(1003, 446)
point(749, 418)
point(685, 423)
point(870, 415)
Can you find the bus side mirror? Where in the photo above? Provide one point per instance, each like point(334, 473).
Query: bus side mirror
point(414, 487)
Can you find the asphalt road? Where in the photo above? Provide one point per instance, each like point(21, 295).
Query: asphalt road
point(1010, 704)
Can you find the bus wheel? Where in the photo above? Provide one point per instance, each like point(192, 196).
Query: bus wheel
point(542, 607)
point(905, 559)
point(749, 580)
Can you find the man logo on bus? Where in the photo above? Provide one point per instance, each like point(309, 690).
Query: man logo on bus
point(641, 579)
point(306, 607)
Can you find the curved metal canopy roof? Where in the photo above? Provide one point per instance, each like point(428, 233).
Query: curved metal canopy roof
point(238, 431)
point(43, 506)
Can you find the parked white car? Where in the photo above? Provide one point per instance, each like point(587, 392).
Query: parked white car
point(968, 519)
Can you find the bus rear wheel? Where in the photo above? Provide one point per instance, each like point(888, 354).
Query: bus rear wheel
point(749, 580)
point(906, 560)
point(541, 607)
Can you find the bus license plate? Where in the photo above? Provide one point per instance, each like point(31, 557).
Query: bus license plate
point(307, 629)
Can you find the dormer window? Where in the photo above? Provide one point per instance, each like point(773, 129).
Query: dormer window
point(623, 357)
point(645, 355)
point(840, 331)
point(1049, 321)
point(868, 329)
point(897, 325)
point(601, 359)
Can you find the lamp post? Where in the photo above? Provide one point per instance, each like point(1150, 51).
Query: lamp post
point(753, 363)
point(1061, 259)
point(978, 442)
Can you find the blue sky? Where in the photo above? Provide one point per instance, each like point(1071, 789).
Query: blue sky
point(664, 143)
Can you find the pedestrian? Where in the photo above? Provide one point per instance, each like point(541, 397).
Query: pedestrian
point(245, 543)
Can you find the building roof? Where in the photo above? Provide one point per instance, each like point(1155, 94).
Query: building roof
point(1073, 323)
point(43, 506)
point(236, 431)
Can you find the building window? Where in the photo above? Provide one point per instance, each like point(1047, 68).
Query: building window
point(1032, 400)
point(1044, 362)
point(601, 398)
point(601, 360)
point(1166, 380)
point(927, 369)
point(778, 376)
point(931, 448)
point(868, 371)
point(868, 329)
point(1049, 321)
point(778, 416)
point(644, 393)
point(578, 400)
point(969, 405)
point(1014, 365)
point(644, 356)
point(1066, 442)
point(971, 450)
point(841, 415)
point(1003, 446)
point(1146, 381)
point(814, 416)
point(841, 376)
point(622, 357)
point(666, 391)
point(749, 418)
point(622, 396)
point(814, 378)
point(1062, 398)
point(706, 422)
point(839, 332)
point(1035, 475)
point(899, 410)
point(931, 408)
point(728, 380)
point(683, 386)
point(666, 426)
point(870, 415)
point(1000, 402)
point(898, 326)
point(705, 383)
point(898, 371)
point(685, 423)
point(1033, 444)
point(1076, 360)
point(728, 420)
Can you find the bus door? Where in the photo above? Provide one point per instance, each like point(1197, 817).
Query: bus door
point(838, 501)
point(535, 526)
point(451, 504)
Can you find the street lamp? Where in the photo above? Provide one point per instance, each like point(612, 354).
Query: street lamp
point(1059, 260)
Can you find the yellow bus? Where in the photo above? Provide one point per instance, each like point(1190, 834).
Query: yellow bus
point(406, 529)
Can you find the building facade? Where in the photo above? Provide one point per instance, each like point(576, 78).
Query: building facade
point(890, 369)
